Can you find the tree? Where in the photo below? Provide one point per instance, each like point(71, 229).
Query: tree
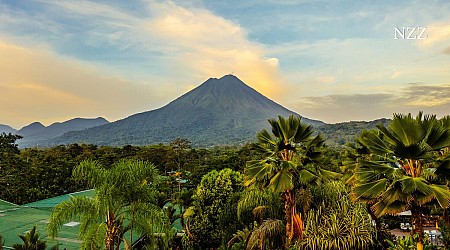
point(8, 143)
point(404, 169)
point(208, 219)
point(11, 169)
point(291, 157)
point(31, 241)
point(179, 149)
point(123, 193)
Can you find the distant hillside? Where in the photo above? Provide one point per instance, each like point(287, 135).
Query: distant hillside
point(37, 134)
point(218, 112)
point(339, 134)
point(34, 128)
point(7, 129)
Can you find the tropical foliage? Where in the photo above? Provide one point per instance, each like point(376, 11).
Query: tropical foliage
point(123, 203)
point(401, 167)
point(291, 158)
point(406, 243)
point(210, 218)
point(335, 222)
point(31, 241)
point(281, 192)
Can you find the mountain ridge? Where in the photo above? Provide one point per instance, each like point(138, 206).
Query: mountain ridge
point(7, 129)
point(36, 134)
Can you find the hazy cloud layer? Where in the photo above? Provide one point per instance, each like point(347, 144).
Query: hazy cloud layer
point(37, 85)
point(446, 51)
point(432, 99)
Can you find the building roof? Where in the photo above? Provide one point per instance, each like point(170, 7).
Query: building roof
point(16, 220)
point(50, 203)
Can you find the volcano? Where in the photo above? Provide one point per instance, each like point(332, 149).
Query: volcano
point(222, 111)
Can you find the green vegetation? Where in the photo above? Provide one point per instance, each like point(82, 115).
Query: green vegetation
point(335, 222)
point(291, 159)
point(401, 168)
point(339, 134)
point(288, 190)
point(31, 241)
point(123, 203)
point(2, 242)
point(213, 211)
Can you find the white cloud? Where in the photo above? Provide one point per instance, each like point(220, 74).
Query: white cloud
point(211, 46)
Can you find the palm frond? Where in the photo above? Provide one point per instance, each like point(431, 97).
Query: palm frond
point(305, 176)
point(442, 195)
point(265, 138)
point(373, 170)
point(72, 209)
point(283, 180)
point(415, 184)
point(91, 171)
point(258, 170)
point(370, 190)
point(372, 140)
point(407, 129)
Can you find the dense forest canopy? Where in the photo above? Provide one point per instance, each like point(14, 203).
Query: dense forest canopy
point(287, 190)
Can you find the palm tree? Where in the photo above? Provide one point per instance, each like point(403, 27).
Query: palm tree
point(124, 192)
point(31, 241)
point(404, 170)
point(290, 157)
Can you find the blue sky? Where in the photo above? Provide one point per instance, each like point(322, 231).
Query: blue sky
point(329, 60)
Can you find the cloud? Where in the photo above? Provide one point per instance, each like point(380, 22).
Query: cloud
point(432, 99)
point(416, 95)
point(37, 85)
point(211, 46)
point(338, 108)
point(172, 41)
point(437, 34)
point(446, 51)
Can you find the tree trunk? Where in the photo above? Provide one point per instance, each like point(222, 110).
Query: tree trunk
point(294, 224)
point(109, 240)
point(416, 214)
point(378, 227)
point(288, 214)
point(110, 231)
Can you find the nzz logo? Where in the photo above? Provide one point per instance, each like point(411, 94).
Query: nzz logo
point(410, 33)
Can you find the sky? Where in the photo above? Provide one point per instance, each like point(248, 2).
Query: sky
point(333, 61)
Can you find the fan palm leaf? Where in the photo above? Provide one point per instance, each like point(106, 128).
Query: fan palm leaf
point(403, 168)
